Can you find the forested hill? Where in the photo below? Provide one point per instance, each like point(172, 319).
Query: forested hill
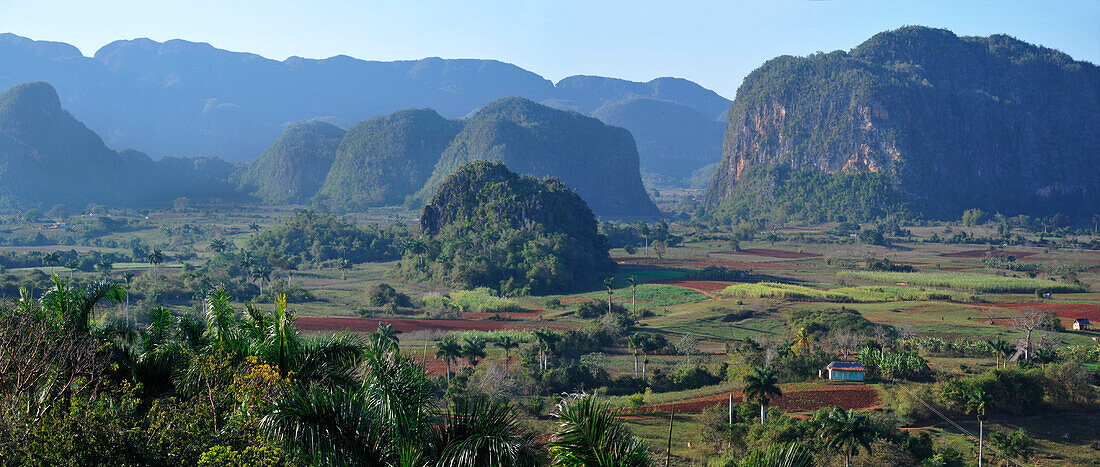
point(597, 160)
point(47, 157)
point(181, 98)
point(914, 119)
point(293, 168)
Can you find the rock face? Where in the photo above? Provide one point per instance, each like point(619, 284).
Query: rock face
point(948, 122)
point(383, 160)
point(48, 157)
point(599, 161)
point(294, 167)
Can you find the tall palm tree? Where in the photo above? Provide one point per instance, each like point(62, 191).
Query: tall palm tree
point(760, 386)
point(633, 295)
point(590, 433)
point(846, 431)
point(546, 340)
point(1002, 349)
point(507, 343)
point(635, 341)
point(476, 431)
point(155, 258)
point(72, 264)
point(218, 246)
point(262, 274)
point(609, 283)
point(977, 403)
point(448, 350)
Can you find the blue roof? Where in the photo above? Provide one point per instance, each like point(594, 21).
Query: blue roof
point(839, 365)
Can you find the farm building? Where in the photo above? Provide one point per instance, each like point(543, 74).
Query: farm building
point(846, 371)
point(1081, 324)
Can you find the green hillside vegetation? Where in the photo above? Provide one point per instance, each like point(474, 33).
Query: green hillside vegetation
point(966, 281)
point(935, 117)
point(599, 161)
point(383, 160)
point(489, 227)
point(292, 169)
point(317, 237)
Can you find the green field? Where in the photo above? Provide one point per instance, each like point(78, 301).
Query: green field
point(967, 281)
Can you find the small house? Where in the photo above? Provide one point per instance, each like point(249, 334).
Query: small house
point(1081, 324)
point(846, 371)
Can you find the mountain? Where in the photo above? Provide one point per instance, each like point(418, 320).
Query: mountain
point(917, 120)
point(673, 140)
point(294, 167)
point(48, 157)
point(599, 161)
point(383, 160)
point(179, 97)
point(483, 212)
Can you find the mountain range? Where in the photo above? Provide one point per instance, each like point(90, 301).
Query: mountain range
point(186, 98)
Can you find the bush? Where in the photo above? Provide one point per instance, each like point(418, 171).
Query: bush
point(482, 300)
point(384, 294)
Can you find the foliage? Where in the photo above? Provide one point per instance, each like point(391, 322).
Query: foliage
point(822, 322)
point(842, 294)
point(384, 294)
point(483, 300)
point(489, 227)
point(590, 433)
point(312, 237)
point(293, 168)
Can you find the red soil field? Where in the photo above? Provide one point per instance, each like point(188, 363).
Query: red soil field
point(770, 253)
point(400, 324)
point(1066, 311)
point(799, 400)
point(984, 253)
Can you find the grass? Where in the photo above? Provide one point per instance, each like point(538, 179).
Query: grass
point(965, 280)
point(482, 300)
point(843, 294)
point(650, 295)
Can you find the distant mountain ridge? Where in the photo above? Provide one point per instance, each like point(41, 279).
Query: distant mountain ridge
point(918, 120)
point(184, 98)
point(48, 157)
point(403, 157)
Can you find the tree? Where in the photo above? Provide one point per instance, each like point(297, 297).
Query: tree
point(155, 258)
point(262, 274)
point(254, 227)
point(635, 342)
point(643, 229)
point(977, 402)
point(1029, 321)
point(846, 431)
point(803, 341)
point(218, 246)
point(473, 350)
point(448, 350)
point(659, 248)
point(71, 265)
point(633, 294)
point(546, 340)
point(650, 343)
point(590, 433)
point(73, 307)
point(1001, 348)
point(507, 343)
point(760, 386)
point(476, 431)
point(105, 266)
point(609, 283)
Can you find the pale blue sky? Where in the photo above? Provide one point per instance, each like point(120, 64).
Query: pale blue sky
point(715, 43)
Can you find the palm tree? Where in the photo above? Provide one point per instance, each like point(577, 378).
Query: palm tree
point(590, 433)
point(105, 266)
point(448, 350)
point(546, 340)
point(331, 427)
point(635, 342)
point(1002, 349)
point(778, 455)
point(473, 349)
point(262, 274)
point(609, 283)
point(253, 226)
point(650, 343)
point(218, 246)
point(72, 264)
point(803, 340)
point(476, 431)
point(846, 431)
point(633, 294)
point(155, 258)
point(507, 343)
point(760, 386)
point(977, 403)
point(72, 307)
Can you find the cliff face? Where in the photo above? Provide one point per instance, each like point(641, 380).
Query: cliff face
point(951, 122)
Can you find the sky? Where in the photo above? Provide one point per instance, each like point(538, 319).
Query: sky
point(714, 43)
